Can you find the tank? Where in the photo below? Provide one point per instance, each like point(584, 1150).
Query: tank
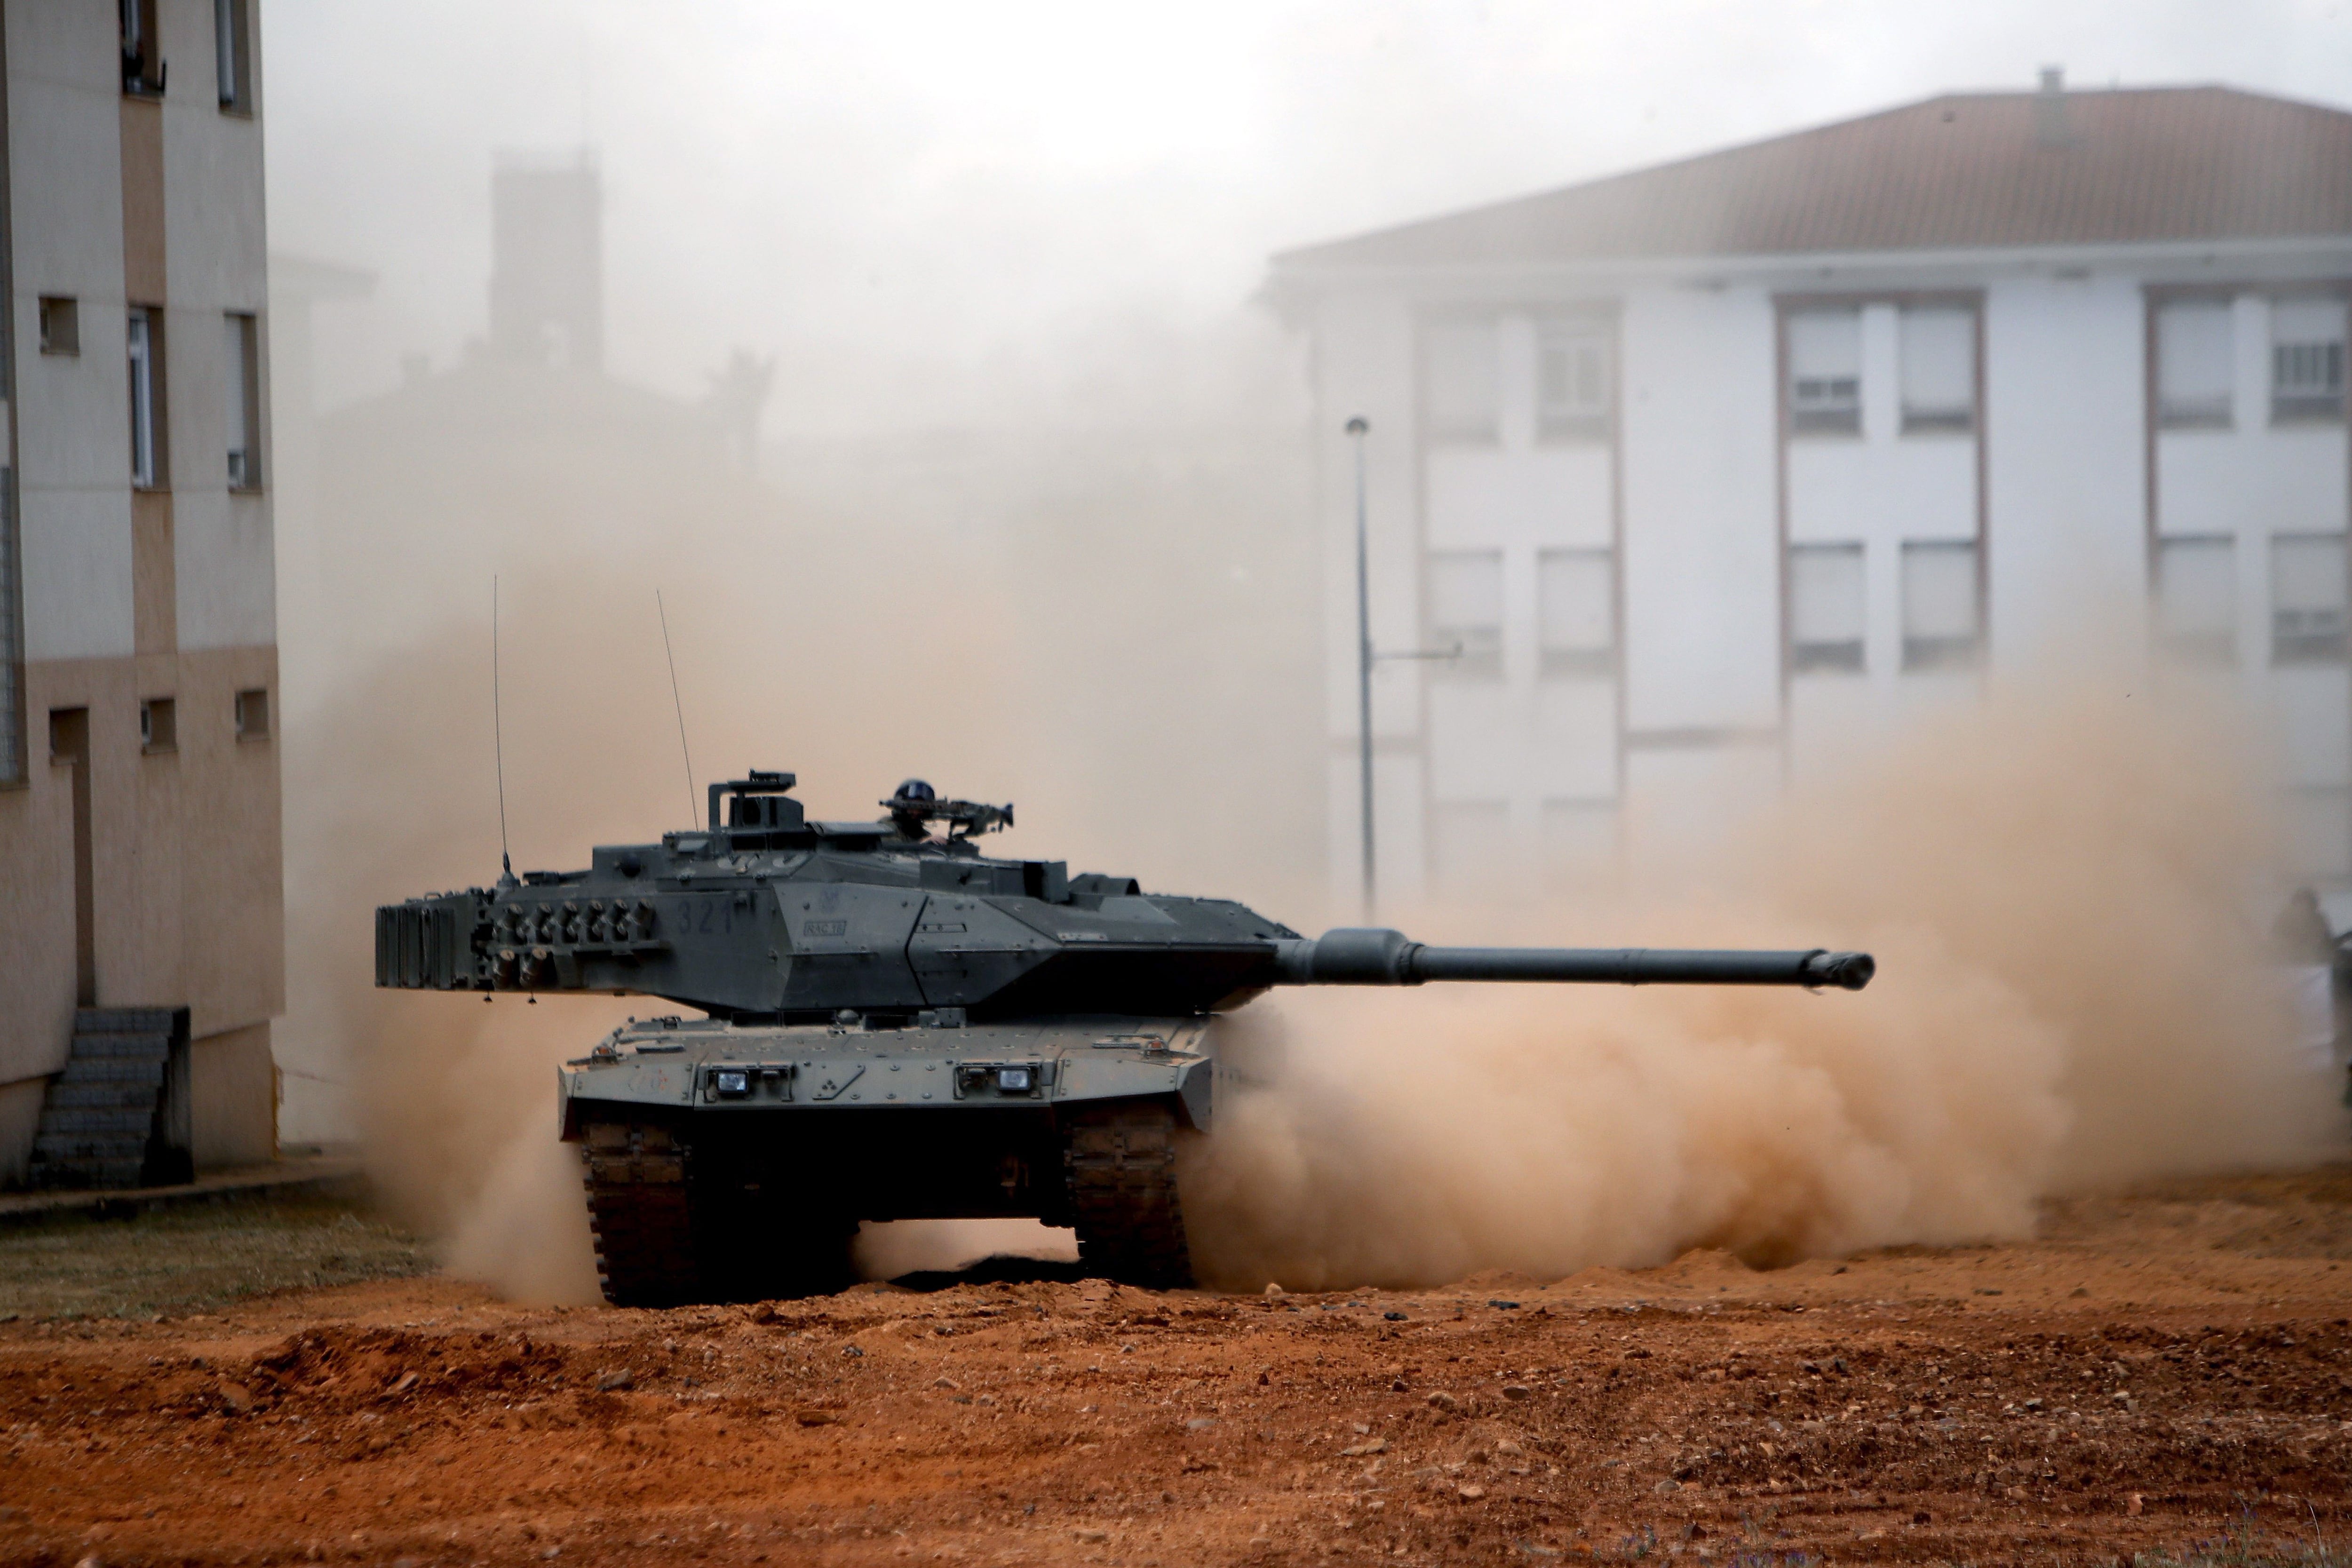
point(898, 1027)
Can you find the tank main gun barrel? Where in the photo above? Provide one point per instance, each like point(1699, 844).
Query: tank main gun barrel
point(1360, 956)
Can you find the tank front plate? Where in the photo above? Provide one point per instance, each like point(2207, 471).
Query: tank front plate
point(706, 1067)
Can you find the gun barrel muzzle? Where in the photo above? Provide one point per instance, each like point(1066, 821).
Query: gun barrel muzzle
point(1359, 957)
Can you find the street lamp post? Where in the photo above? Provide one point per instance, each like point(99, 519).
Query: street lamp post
point(1356, 428)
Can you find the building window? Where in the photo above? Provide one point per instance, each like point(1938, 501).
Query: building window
point(2308, 359)
point(1465, 611)
point(253, 714)
point(1462, 388)
point(1943, 620)
point(1826, 372)
point(244, 402)
point(142, 58)
point(61, 325)
point(1571, 382)
point(2308, 596)
point(1576, 612)
point(159, 725)
point(1939, 350)
point(12, 687)
point(2197, 597)
point(2196, 369)
point(232, 55)
point(146, 398)
point(1825, 608)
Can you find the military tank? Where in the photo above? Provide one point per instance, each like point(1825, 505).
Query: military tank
point(898, 1027)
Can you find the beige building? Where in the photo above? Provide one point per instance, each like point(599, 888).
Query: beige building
point(138, 793)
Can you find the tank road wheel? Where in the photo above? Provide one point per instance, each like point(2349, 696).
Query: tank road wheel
point(1121, 1160)
point(638, 1215)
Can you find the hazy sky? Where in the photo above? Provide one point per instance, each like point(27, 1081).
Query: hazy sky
point(897, 198)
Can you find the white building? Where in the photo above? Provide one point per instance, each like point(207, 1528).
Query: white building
point(138, 800)
point(1700, 464)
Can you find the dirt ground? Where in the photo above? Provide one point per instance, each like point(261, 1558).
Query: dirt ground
point(2154, 1373)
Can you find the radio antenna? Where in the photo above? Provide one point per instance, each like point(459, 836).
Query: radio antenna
point(679, 703)
point(499, 737)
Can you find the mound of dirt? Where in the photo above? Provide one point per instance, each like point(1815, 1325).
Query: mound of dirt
point(2154, 1370)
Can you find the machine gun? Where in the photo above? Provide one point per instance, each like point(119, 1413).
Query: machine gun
point(916, 803)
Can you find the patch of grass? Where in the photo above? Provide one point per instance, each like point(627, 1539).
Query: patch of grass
point(197, 1256)
point(2246, 1546)
point(2305, 1556)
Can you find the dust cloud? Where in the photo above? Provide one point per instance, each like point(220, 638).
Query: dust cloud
point(1113, 629)
point(977, 610)
point(1036, 525)
point(527, 1232)
point(2072, 993)
point(455, 1096)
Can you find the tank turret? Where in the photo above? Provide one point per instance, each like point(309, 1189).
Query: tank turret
point(901, 1027)
point(766, 916)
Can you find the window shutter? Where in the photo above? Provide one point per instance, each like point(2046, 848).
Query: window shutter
point(1941, 616)
point(2308, 596)
point(1826, 609)
point(2307, 321)
point(1576, 610)
point(1825, 343)
point(2308, 359)
point(2196, 372)
point(1938, 359)
point(1825, 370)
point(1572, 392)
point(240, 401)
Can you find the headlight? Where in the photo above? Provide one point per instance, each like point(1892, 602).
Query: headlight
point(1013, 1080)
point(731, 1083)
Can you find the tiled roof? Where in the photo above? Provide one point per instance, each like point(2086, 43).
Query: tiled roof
point(1964, 171)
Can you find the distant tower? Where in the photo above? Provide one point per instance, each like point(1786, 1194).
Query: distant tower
point(547, 266)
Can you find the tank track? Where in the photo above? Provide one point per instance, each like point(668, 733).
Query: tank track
point(1121, 1163)
point(670, 1230)
point(639, 1214)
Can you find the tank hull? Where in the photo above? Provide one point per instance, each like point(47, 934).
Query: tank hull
point(734, 1161)
point(803, 1080)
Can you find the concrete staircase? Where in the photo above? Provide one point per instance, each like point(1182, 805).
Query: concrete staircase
point(118, 1116)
